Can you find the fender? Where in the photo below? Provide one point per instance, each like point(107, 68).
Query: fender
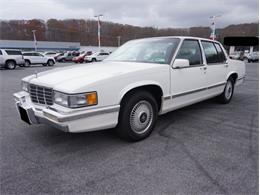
point(137, 84)
point(230, 73)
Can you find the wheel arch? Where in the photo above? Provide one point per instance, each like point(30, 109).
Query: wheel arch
point(234, 75)
point(154, 88)
point(27, 60)
point(8, 60)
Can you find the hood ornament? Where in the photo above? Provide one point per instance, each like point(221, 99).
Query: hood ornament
point(36, 74)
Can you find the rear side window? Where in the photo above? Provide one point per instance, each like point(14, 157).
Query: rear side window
point(210, 52)
point(221, 55)
point(13, 52)
point(190, 50)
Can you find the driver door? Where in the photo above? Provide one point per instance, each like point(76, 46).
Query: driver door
point(188, 84)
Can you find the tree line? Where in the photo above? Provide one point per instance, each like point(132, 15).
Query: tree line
point(85, 31)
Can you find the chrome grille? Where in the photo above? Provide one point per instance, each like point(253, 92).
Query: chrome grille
point(41, 95)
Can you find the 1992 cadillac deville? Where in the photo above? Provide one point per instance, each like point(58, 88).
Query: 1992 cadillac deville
point(142, 79)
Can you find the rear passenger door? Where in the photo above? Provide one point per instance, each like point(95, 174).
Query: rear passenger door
point(216, 67)
point(188, 84)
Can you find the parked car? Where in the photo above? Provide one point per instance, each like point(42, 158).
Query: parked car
point(57, 55)
point(237, 55)
point(50, 53)
point(32, 58)
point(80, 58)
point(9, 59)
point(142, 79)
point(68, 56)
point(253, 57)
point(98, 56)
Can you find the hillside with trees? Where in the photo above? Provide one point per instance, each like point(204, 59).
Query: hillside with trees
point(85, 31)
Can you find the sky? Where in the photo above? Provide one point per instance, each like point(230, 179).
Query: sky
point(155, 13)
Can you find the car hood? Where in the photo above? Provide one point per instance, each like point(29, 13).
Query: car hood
point(69, 79)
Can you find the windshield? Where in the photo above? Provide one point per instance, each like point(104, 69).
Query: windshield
point(157, 50)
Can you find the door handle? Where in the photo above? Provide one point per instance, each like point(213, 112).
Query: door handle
point(226, 65)
point(204, 68)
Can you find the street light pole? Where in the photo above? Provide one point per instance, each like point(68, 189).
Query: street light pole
point(34, 39)
point(99, 26)
point(118, 41)
point(213, 26)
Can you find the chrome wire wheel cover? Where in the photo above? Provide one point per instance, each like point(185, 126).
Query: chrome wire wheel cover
point(228, 90)
point(141, 117)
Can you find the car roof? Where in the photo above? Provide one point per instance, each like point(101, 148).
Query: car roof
point(180, 37)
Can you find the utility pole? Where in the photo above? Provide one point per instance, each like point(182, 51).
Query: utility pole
point(213, 26)
point(35, 40)
point(99, 26)
point(118, 41)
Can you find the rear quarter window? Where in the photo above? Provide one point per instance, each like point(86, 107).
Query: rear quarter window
point(13, 52)
point(221, 55)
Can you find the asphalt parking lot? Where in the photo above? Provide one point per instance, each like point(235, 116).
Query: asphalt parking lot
point(206, 148)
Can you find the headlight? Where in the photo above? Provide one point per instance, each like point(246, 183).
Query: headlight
point(75, 100)
point(25, 86)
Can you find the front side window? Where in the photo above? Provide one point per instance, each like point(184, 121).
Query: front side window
point(27, 54)
point(157, 50)
point(210, 52)
point(190, 50)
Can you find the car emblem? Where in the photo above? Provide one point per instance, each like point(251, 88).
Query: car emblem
point(36, 74)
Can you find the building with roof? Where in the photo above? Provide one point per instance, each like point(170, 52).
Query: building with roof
point(41, 45)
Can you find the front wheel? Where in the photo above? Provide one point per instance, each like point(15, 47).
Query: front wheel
point(227, 94)
point(137, 117)
point(50, 63)
point(27, 63)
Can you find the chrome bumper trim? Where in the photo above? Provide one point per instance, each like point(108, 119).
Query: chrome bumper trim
point(64, 128)
point(88, 113)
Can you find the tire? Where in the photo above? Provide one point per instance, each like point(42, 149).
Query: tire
point(227, 94)
point(10, 65)
point(137, 117)
point(50, 62)
point(93, 60)
point(27, 63)
point(63, 60)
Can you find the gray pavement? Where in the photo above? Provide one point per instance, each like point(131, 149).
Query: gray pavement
point(206, 148)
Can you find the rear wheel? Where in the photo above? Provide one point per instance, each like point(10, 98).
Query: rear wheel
point(10, 65)
point(93, 60)
point(227, 94)
point(138, 115)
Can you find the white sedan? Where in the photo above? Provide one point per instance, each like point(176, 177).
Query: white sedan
point(37, 58)
point(142, 79)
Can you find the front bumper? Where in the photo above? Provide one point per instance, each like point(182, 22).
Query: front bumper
point(69, 121)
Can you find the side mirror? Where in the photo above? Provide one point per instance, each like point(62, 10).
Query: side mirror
point(181, 63)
